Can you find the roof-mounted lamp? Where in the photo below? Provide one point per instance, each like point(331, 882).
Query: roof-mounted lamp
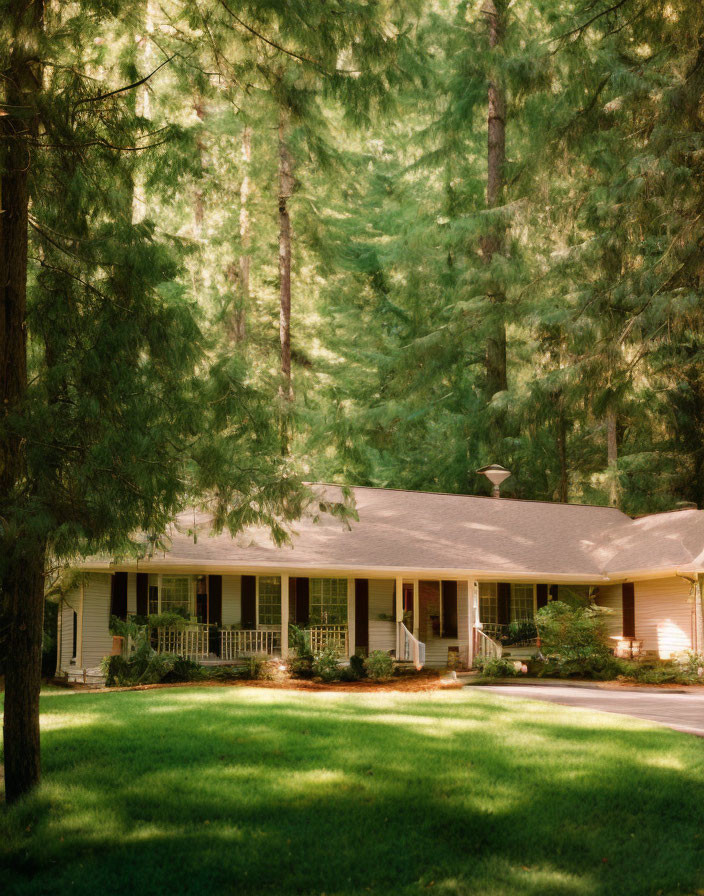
point(496, 474)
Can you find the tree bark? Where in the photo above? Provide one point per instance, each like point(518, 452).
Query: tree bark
point(239, 274)
point(612, 455)
point(285, 192)
point(24, 592)
point(562, 451)
point(22, 559)
point(492, 243)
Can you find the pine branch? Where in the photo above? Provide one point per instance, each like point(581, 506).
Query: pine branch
point(104, 96)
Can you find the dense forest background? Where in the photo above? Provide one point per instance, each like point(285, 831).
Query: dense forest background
point(430, 235)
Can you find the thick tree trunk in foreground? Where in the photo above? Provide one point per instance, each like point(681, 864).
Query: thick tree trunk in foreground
point(492, 244)
point(24, 592)
point(285, 191)
point(22, 560)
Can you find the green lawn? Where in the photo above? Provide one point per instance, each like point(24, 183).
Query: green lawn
point(243, 790)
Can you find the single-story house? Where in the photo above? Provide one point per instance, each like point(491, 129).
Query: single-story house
point(431, 578)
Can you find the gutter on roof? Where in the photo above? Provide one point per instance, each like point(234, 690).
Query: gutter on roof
point(663, 573)
point(214, 566)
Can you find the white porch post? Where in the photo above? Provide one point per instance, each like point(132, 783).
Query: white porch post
point(79, 627)
point(416, 608)
point(284, 615)
point(473, 601)
point(699, 615)
point(350, 617)
point(399, 612)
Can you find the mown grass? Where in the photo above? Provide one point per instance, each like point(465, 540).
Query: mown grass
point(239, 790)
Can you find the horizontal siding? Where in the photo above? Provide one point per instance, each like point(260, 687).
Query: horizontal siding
point(664, 616)
point(436, 649)
point(610, 597)
point(382, 632)
point(70, 602)
point(131, 593)
point(97, 640)
point(231, 600)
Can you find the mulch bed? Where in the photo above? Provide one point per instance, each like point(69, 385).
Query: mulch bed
point(423, 681)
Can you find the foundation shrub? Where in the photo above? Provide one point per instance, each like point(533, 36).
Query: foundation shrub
point(379, 665)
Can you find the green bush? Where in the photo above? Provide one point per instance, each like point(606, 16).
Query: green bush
point(357, 666)
point(498, 668)
point(572, 635)
point(379, 665)
point(597, 667)
point(326, 664)
point(520, 632)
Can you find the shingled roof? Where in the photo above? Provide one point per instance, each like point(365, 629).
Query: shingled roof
point(424, 532)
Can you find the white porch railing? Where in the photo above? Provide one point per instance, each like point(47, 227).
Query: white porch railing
point(190, 641)
point(319, 636)
point(235, 643)
point(485, 648)
point(410, 649)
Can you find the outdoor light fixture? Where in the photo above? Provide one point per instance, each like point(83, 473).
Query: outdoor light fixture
point(496, 475)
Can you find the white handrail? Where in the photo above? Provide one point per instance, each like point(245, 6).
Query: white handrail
point(410, 648)
point(485, 647)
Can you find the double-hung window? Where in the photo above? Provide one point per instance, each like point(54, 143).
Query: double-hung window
point(328, 601)
point(488, 603)
point(521, 603)
point(269, 600)
point(171, 594)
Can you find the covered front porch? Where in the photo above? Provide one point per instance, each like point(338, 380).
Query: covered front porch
point(228, 617)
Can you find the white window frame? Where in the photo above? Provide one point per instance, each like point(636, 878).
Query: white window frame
point(495, 597)
point(266, 626)
point(342, 604)
point(533, 611)
point(159, 584)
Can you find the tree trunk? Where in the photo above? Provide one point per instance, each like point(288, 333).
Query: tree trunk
point(285, 191)
point(612, 456)
point(562, 451)
point(24, 592)
point(22, 561)
point(492, 243)
point(239, 275)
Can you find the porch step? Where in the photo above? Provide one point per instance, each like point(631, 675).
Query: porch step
point(91, 677)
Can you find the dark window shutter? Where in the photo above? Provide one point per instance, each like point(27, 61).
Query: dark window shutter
point(302, 601)
point(361, 613)
point(118, 595)
point(215, 600)
point(142, 594)
point(449, 609)
point(541, 594)
point(628, 607)
point(75, 634)
point(503, 608)
point(249, 601)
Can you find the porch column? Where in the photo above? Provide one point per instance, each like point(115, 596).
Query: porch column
point(472, 614)
point(399, 612)
point(79, 627)
point(416, 608)
point(351, 618)
point(284, 616)
point(699, 615)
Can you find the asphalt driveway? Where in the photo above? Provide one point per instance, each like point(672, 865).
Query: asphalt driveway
point(683, 711)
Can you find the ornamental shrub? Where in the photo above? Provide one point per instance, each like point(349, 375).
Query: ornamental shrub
point(357, 666)
point(326, 664)
point(379, 665)
point(499, 667)
point(572, 634)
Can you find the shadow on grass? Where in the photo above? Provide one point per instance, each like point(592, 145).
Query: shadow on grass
point(273, 792)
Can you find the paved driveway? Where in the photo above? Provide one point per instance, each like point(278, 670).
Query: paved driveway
point(682, 711)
